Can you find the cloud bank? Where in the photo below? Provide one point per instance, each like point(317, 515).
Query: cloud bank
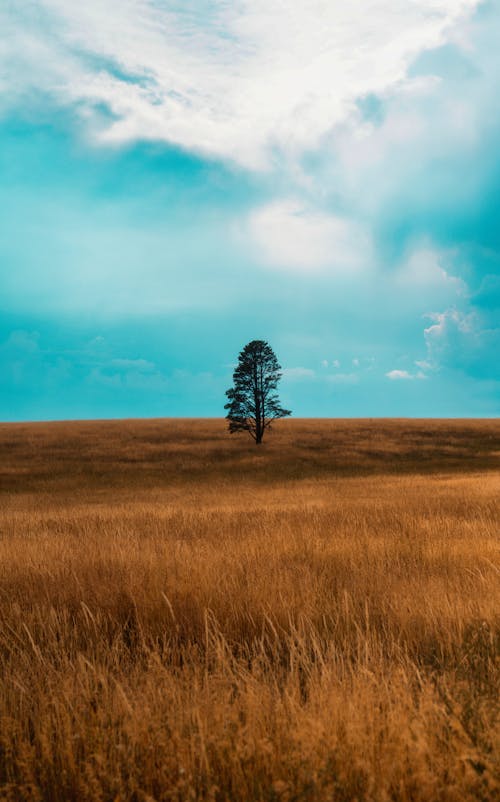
point(247, 81)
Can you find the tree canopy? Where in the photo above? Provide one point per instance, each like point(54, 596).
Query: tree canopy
point(253, 403)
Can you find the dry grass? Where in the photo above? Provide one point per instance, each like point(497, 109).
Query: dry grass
point(184, 616)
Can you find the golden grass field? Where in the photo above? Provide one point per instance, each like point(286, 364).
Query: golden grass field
point(185, 616)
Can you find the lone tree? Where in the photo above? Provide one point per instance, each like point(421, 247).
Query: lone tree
point(253, 403)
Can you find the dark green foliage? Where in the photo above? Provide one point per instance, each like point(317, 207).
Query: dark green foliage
point(253, 403)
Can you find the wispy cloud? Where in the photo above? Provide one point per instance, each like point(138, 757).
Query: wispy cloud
point(343, 378)
point(140, 365)
point(290, 235)
point(298, 373)
point(404, 375)
point(426, 266)
point(238, 81)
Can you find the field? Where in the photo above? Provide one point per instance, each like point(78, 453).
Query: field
point(186, 616)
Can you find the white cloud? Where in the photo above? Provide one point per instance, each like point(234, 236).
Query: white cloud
point(451, 319)
point(463, 341)
point(290, 235)
point(335, 363)
point(450, 334)
point(344, 378)
point(396, 375)
point(235, 80)
point(425, 268)
point(140, 365)
point(298, 373)
point(423, 364)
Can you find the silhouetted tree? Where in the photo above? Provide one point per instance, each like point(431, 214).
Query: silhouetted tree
point(253, 403)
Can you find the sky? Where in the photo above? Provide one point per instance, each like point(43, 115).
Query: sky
point(178, 178)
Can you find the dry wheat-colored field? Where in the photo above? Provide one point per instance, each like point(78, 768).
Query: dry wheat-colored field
point(185, 616)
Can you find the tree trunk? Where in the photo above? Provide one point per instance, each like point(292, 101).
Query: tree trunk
point(259, 429)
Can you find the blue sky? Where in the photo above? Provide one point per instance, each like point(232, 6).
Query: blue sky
point(178, 179)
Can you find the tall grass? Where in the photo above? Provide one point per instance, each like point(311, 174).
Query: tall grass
point(187, 617)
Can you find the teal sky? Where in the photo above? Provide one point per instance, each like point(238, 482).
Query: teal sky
point(177, 179)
